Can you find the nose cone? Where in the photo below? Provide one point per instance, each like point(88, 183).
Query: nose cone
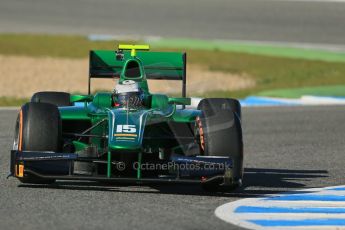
point(126, 129)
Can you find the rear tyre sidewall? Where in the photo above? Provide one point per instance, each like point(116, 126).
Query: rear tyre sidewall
point(51, 97)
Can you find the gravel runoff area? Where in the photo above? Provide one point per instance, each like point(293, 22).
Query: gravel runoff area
point(23, 76)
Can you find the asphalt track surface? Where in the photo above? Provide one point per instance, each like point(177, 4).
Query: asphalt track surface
point(292, 21)
point(286, 149)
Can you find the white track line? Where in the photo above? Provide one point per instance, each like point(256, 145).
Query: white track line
point(243, 212)
point(10, 108)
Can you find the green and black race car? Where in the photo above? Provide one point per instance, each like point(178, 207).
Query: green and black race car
point(130, 135)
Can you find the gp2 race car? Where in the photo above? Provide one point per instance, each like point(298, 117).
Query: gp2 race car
point(130, 135)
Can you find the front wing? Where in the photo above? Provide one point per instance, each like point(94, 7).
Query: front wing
point(195, 173)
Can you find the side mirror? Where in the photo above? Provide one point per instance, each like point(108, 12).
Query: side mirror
point(81, 98)
point(179, 100)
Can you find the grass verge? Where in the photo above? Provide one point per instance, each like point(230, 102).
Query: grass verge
point(11, 101)
point(334, 91)
point(247, 47)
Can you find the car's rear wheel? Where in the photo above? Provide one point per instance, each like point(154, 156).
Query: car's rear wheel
point(38, 128)
point(55, 98)
point(219, 133)
point(217, 104)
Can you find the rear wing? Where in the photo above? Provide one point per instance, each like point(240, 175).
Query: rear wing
point(157, 65)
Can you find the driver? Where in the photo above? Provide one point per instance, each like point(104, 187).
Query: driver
point(128, 95)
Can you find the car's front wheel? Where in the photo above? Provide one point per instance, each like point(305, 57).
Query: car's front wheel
point(38, 128)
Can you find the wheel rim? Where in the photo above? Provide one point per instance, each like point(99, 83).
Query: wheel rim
point(200, 133)
point(16, 136)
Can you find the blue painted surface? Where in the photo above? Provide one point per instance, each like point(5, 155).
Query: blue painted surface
point(337, 189)
point(295, 223)
point(302, 209)
point(261, 101)
point(266, 101)
point(79, 104)
point(308, 198)
point(334, 97)
point(256, 209)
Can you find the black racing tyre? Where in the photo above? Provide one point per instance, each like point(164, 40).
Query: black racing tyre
point(219, 132)
point(38, 128)
point(216, 104)
point(55, 98)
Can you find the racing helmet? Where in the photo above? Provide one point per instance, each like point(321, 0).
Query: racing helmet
point(128, 94)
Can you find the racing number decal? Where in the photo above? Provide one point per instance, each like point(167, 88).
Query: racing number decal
point(126, 129)
point(126, 132)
